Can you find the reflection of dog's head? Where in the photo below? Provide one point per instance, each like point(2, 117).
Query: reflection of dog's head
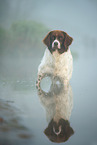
point(59, 132)
point(59, 40)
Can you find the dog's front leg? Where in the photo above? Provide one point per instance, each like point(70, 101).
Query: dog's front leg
point(40, 77)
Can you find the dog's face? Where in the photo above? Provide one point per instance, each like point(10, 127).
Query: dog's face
point(57, 40)
point(59, 132)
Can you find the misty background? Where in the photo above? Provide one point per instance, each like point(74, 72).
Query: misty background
point(23, 25)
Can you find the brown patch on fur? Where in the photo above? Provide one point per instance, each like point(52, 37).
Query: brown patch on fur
point(65, 133)
point(46, 40)
point(68, 40)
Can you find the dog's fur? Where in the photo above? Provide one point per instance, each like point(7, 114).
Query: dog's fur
point(57, 59)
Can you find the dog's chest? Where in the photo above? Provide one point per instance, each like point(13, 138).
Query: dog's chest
point(59, 60)
point(57, 64)
point(62, 62)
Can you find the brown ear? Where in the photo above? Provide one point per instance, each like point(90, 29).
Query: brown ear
point(70, 132)
point(46, 40)
point(68, 40)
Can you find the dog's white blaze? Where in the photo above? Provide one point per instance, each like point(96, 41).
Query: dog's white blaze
point(57, 42)
point(57, 133)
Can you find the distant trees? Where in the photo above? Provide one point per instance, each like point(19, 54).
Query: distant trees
point(22, 37)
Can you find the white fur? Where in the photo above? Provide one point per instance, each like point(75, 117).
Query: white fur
point(57, 42)
point(57, 64)
point(58, 106)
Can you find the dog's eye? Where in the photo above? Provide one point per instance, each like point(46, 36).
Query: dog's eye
point(53, 37)
point(60, 38)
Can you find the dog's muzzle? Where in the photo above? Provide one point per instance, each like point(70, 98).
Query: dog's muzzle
point(56, 44)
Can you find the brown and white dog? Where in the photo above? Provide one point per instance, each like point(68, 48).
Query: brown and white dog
point(57, 59)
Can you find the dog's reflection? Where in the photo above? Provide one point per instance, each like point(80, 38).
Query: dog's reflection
point(58, 104)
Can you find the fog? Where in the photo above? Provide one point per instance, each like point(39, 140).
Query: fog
point(23, 25)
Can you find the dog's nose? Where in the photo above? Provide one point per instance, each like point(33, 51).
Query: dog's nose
point(55, 43)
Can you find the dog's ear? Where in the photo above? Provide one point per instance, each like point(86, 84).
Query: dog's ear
point(46, 40)
point(69, 132)
point(68, 40)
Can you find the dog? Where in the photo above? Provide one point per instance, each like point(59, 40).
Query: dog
point(58, 104)
point(57, 59)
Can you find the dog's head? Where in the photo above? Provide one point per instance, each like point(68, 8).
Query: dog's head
point(59, 40)
point(59, 132)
